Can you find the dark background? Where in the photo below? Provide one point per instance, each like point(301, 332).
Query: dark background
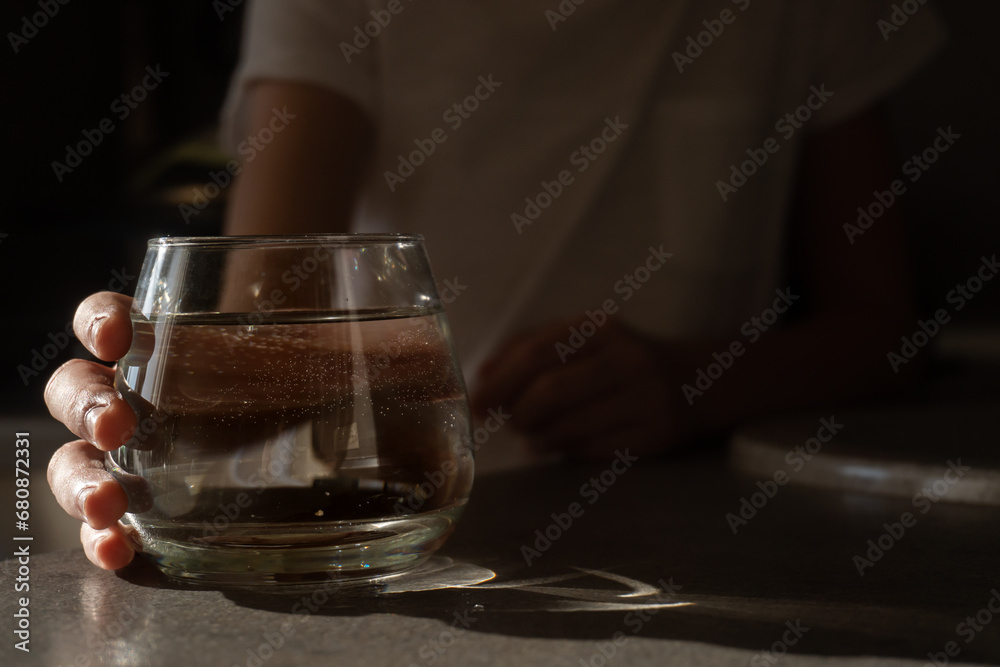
point(65, 240)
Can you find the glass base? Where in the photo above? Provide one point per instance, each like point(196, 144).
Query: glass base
point(275, 554)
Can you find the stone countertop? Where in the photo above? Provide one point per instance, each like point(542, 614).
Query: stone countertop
point(649, 572)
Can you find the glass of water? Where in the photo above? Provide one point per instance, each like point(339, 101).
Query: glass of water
point(301, 411)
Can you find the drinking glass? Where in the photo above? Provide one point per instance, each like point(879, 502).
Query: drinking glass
point(301, 412)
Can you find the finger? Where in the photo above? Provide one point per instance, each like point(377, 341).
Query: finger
point(561, 390)
point(636, 443)
point(110, 548)
point(516, 363)
point(551, 333)
point(82, 396)
point(103, 324)
point(83, 487)
point(590, 421)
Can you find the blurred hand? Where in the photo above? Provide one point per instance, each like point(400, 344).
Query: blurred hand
point(81, 395)
point(609, 394)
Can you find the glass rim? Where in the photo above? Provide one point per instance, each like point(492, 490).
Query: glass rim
point(287, 240)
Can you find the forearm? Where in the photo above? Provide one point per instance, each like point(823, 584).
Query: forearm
point(305, 179)
point(302, 181)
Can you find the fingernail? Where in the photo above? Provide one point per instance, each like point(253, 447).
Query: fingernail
point(132, 536)
point(116, 553)
point(81, 501)
point(91, 420)
point(95, 326)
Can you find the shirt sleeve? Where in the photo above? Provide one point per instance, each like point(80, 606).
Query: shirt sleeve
point(864, 49)
point(320, 42)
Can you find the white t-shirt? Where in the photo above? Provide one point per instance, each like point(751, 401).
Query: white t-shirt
point(642, 108)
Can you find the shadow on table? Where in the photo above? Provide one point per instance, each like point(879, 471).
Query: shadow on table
point(655, 553)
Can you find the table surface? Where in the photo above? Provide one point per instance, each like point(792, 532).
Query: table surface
point(596, 590)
